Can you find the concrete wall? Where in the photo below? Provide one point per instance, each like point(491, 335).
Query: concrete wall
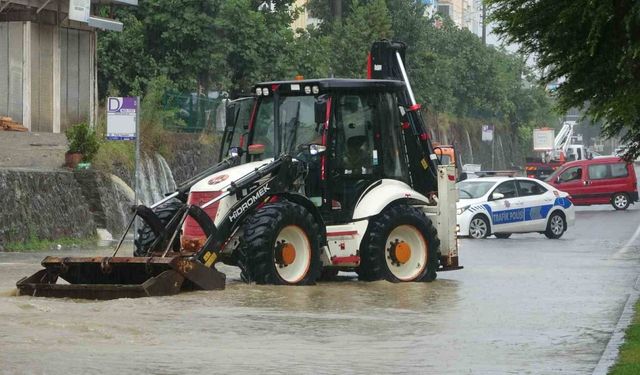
point(47, 75)
point(48, 205)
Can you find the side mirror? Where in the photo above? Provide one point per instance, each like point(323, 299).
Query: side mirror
point(312, 149)
point(320, 109)
point(496, 196)
point(231, 115)
point(235, 152)
point(316, 149)
point(256, 149)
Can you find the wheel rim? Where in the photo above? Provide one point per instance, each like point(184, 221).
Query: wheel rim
point(557, 225)
point(292, 254)
point(406, 252)
point(478, 228)
point(620, 201)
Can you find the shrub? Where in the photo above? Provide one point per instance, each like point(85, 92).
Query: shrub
point(83, 139)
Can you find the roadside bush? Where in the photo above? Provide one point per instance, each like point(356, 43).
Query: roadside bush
point(84, 140)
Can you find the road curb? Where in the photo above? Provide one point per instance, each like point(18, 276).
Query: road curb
point(612, 350)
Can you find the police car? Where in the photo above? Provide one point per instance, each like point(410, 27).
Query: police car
point(505, 205)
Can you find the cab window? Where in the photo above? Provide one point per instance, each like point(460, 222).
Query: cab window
point(619, 170)
point(528, 188)
point(598, 171)
point(507, 188)
point(571, 174)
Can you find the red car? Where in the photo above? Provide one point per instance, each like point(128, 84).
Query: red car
point(606, 180)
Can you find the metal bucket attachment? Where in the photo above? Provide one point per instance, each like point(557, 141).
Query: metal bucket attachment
point(119, 277)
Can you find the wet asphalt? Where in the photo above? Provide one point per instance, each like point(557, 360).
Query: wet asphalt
point(524, 305)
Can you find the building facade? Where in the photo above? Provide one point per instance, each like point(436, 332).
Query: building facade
point(48, 65)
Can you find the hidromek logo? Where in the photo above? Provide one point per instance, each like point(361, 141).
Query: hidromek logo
point(257, 195)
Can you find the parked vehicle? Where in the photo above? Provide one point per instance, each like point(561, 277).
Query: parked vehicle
point(506, 205)
point(606, 180)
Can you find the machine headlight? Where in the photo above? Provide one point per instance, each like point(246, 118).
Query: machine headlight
point(315, 90)
point(258, 91)
point(307, 90)
point(460, 210)
point(265, 91)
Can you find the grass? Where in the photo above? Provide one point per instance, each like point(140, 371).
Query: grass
point(40, 245)
point(629, 359)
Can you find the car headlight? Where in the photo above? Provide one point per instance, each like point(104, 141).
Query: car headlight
point(460, 210)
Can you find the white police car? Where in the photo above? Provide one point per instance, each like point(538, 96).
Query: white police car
point(506, 205)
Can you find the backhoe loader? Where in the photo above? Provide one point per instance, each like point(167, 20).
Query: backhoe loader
point(328, 175)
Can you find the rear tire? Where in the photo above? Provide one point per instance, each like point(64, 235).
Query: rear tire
point(620, 201)
point(145, 235)
point(556, 226)
point(401, 244)
point(502, 235)
point(281, 246)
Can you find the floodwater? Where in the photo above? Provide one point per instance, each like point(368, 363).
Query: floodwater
point(525, 305)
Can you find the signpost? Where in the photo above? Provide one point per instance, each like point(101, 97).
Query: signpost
point(487, 133)
point(123, 124)
point(487, 136)
point(543, 139)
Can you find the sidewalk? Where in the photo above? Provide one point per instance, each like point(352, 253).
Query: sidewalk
point(41, 151)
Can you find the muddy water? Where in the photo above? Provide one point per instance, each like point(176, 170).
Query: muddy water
point(523, 305)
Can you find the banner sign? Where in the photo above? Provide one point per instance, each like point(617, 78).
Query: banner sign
point(543, 139)
point(487, 133)
point(121, 118)
point(79, 10)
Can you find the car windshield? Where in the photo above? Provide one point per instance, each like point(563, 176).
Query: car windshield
point(473, 189)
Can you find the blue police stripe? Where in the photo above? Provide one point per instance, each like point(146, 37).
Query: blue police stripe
point(525, 214)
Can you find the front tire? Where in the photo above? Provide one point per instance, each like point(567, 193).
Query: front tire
point(280, 246)
point(620, 201)
point(479, 227)
point(401, 244)
point(556, 226)
point(145, 236)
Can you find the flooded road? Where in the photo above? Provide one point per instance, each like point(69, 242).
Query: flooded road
point(525, 305)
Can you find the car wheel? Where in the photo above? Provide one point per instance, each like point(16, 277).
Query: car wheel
point(502, 235)
point(620, 201)
point(556, 226)
point(479, 227)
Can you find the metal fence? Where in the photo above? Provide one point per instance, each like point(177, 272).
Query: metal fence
point(197, 112)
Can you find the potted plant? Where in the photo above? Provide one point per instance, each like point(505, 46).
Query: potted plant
point(83, 145)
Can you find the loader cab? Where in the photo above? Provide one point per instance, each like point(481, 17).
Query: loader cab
point(358, 121)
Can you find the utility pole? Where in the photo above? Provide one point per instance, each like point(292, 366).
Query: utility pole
point(484, 23)
point(336, 10)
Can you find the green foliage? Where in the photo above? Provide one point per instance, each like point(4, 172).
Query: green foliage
point(352, 38)
point(34, 244)
point(230, 45)
point(83, 139)
point(593, 46)
point(153, 135)
point(125, 66)
point(629, 358)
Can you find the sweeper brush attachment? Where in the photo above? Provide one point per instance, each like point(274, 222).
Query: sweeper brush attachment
point(119, 277)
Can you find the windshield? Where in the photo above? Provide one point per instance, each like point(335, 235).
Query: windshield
point(297, 124)
point(473, 189)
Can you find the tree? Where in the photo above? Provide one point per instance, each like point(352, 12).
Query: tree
point(591, 47)
point(124, 63)
point(184, 38)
